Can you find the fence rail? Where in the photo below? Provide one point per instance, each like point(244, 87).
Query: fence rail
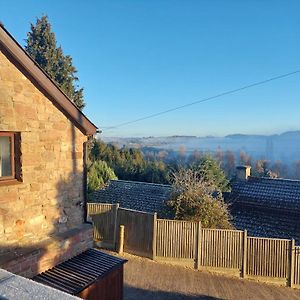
point(184, 241)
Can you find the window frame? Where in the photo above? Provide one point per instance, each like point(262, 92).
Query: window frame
point(11, 135)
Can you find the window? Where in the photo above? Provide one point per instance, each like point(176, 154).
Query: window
point(9, 156)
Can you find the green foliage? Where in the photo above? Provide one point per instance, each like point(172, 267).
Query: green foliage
point(129, 163)
point(197, 199)
point(211, 171)
point(99, 173)
point(42, 47)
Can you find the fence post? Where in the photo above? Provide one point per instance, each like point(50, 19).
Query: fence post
point(154, 236)
point(245, 253)
point(292, 263)
point(121, 239)
point(115, 225)
point(198, 249)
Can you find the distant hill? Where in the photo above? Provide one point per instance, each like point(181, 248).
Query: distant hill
point(284, 147)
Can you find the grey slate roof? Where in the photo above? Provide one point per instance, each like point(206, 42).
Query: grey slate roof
point(148, 197)
point(263, 223)
point(266, 207)
point(283, 194)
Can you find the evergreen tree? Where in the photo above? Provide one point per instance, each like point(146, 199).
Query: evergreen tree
point(99, 173)
point(129, 163)
point(42, 47)
point(210, 170)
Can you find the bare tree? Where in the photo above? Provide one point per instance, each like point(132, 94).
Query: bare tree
point(196, 199)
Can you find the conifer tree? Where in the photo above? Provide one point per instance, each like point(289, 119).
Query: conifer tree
point(210, 170)
point(41, 45)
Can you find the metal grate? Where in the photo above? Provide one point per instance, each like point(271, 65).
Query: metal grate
point(77, 273)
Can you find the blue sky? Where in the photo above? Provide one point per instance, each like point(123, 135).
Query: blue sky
point(139, 57)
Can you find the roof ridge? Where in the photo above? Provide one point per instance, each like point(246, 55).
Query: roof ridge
point(142, 182)
point(44, 81)
point(255, 178)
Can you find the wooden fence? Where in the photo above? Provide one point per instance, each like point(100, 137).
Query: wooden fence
point(221, 249)
point(297, 267)
point(176, 240)
point(268, 258)
point(185, 242)
point(105, 218)
point(139, 226)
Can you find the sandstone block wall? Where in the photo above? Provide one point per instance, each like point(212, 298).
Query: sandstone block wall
point(29, 262)
point(49, 200)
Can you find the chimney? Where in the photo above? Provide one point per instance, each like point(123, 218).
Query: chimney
point(243, 172)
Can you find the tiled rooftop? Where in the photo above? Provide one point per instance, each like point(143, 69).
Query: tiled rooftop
point(148, 197)
point(263, 223)
point(267, 207)
point(270, 193)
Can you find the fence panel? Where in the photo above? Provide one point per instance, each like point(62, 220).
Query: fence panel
point(221, 248)
point(103, 217)
point(138, 236)
point(176, 239)
point(297, 266)
point(184, 242)
point(268, 257)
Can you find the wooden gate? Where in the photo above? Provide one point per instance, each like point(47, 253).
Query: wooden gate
point(139, 231)
point(104, 218)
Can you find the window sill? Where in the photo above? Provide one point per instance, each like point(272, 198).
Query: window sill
point(9, 182)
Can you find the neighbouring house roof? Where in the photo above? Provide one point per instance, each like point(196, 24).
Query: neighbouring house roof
point(267, 192)
point(21, 59)
point(143, 196)
point(265, 223)
point(266, 207)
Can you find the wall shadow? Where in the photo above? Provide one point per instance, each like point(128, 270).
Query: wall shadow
point(133, 293)
point(64, 220)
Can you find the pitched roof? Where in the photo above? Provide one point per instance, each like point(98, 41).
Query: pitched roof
point(283, 194)
point(20, 58)
point(143, 196)
point(266, 207)
point(263, 223)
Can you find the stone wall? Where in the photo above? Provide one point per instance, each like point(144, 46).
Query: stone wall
point(29, 262)
point(49, 200)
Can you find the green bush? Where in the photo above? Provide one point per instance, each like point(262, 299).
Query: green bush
point(196, 199)
point(99, 173)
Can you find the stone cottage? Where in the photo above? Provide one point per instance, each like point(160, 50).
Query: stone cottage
point(43, 137)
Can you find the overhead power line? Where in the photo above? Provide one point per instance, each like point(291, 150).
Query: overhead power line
point(201, 100)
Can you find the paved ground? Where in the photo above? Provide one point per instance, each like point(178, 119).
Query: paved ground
point(145, 280)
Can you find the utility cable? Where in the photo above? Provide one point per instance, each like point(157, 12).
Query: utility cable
point(202, 100)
